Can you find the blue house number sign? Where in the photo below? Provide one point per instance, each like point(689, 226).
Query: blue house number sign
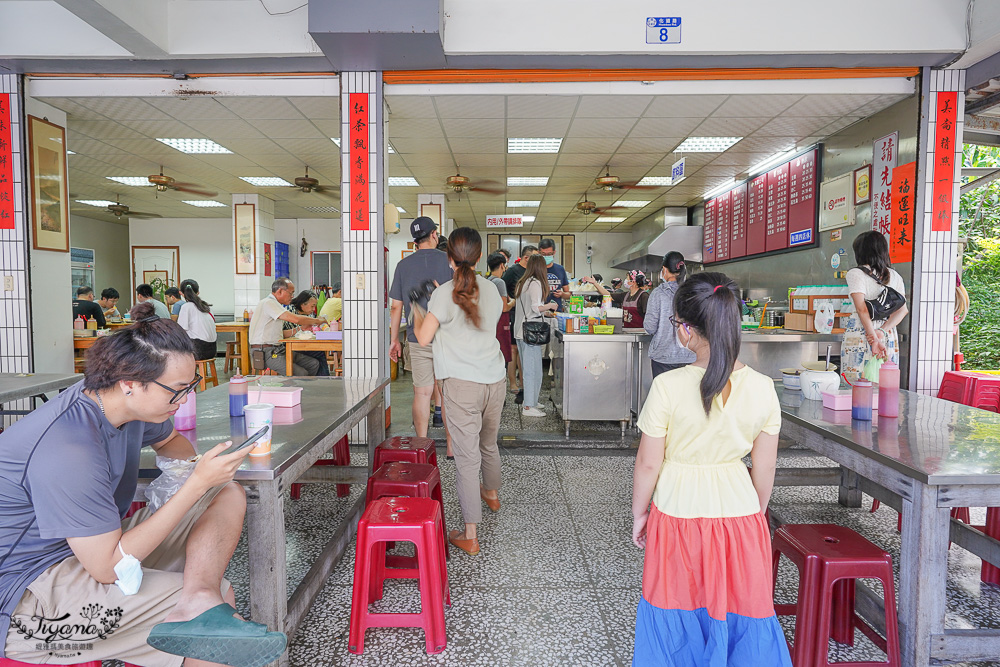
point(663, 30)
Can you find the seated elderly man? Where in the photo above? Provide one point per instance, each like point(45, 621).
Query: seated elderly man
point(266, 348)
point(79, 581)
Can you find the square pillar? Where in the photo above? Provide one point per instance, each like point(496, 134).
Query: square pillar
point(250, 288)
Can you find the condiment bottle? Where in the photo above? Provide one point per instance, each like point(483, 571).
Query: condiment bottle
point(246, 315)
point(861, 400)
point(92, 323)
point(888, 390)
point(237, 395)
point(80, 322)
point(186, 416)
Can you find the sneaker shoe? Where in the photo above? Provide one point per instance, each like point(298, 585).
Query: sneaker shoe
point(519, 397)
point(532, 412)
point(437, 422)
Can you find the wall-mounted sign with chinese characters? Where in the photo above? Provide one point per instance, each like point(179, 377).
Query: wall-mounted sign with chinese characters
point(836, 203)
point(663, 30)
point(677, 171)
point(944, 161)
point(6, 166)
point(509, 220)
point(904, 179)
point(883, 162)
point(358, 137)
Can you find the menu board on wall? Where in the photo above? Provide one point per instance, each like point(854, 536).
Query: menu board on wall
point(722, 227)
point(738, 212)
point(756, 215)
point(774, 211)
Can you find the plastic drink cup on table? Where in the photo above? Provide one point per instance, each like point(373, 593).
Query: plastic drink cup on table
point(888, 390)
point(237, 395)
point(186, 416)
point(260, 416)
point(861, 400)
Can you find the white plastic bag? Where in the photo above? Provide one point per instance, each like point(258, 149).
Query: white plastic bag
point(174, 472)
point(823, 319)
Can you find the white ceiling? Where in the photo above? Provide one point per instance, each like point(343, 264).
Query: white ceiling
point(434, 136)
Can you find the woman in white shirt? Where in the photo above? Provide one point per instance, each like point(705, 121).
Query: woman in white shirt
point(196, 318)
point(532, 291)
point(864, 338)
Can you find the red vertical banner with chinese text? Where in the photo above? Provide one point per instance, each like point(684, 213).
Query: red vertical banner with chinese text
point(708, 249)
point(944, 161)
point(6, 166)
point(267, 259)
point(904, 179)
point(358, 151)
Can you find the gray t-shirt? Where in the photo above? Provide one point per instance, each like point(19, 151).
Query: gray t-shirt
point(176, 308)
point(501, 285)
point(65, 471)
point(461, 350)
point(159, 308)
point(413, 271)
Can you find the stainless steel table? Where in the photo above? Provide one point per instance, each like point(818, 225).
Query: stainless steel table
point(18, 386)
point(330, 409)
point(935, 456)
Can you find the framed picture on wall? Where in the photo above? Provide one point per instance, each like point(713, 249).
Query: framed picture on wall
point(157, 266)
point(246, 238)
point(863, 185)
point(432, 211)
point(49, 193)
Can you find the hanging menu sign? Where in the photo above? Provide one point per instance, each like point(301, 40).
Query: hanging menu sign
point(708, 249)
point(722, 227)
point(6, 166)
point(883, 162)
point(904, 179)
point(738, 208)
point(757, 215)
point(358, 136)
point(802, 199)
point(944, 161)
point(777, 208)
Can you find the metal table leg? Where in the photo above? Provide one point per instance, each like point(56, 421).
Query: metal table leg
point(266, 547)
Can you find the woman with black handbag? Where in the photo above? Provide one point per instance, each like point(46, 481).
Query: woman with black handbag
point(531, 331)
point(879, 302)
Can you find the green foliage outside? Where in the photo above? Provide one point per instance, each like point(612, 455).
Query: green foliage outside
point(980, 224)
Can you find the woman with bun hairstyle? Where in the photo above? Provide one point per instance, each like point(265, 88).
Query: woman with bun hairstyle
point(706, 580)
point(665, 352)
point(633, 300)
point(461, 323)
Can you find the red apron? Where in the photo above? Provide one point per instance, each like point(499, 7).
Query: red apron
point(503, 336)
point(631, 317)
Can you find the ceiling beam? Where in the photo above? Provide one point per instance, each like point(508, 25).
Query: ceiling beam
point(113, 27)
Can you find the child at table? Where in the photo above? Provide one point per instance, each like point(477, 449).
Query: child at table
point(706, 583)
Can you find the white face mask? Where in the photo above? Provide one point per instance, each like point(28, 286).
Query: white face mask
point(129, 571)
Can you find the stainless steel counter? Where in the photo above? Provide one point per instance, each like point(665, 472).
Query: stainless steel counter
point(592, 376)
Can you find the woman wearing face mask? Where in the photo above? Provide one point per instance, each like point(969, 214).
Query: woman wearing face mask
point(633, 300)
point(665, 352)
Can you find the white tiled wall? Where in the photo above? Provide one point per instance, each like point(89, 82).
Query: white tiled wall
point(932, 303)
point(15, 326)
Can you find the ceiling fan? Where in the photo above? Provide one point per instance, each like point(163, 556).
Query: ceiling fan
point(164, 183)
point(309, 184)
point(118, 209)
point(461, 184)
point(609, 183)
point(587, 207)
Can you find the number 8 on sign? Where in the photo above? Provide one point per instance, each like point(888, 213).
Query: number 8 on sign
point(663, 30)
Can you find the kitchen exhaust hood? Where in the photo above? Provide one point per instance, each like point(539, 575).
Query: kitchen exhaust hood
point(685, 239)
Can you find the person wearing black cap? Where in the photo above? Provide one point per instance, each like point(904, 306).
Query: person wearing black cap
point(417, 273)
point(333, 309)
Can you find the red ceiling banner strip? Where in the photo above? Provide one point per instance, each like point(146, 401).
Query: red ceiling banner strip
point(6, 166)
point(358, 136)
point(944, 161)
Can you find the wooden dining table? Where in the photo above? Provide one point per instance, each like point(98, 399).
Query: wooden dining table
point(293, 345)
point(242, 331)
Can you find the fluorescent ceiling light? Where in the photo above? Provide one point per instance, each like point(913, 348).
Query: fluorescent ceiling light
point(403, 181)
point(335, 140)
point(523, 203)
point(632, 203)
point(99, 203)
point(533, 145)
point(607, 218)
point(527, 218)
point(401, 209)
point(192, 146)
point(136, 181)
point(661, 181)
point(69, 152)
point(706, 144)
point(772, 161)
point(203, 203)
point(322, 209)
point(265, 181)
point(720, 189)
point(527, 181)
point(391, 149)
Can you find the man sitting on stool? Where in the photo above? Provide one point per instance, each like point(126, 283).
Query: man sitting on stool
point(265, 331)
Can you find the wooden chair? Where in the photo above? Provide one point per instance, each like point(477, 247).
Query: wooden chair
point(206, 369)
point(232, 357)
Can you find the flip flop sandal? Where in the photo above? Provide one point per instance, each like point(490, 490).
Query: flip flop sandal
point(217, 636)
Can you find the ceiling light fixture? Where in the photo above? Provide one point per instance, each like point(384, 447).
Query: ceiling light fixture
point(135, 181)
point(99, 203)
point(772, 161)
point(656, 181)
point(527, 181)
point(527, 218)
point(194, 146)
point(403, 181)
point(322, 209)
point(392, 150)
point(523, 203)
point(335, 140)
point(265, 181)
point(608, 218)
point(728, 185)
point(202, 203)
point(533, 145)
point(69, 152)
point(706, 144)
point(401, 209)
point(632, 203)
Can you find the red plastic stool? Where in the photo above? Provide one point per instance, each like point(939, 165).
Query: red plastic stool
point(341, 457)
point(960, 513)
point(416, 520)
point(409, 480)
point(829, 559)
point(405, 448)
point(990, 574)
point(132, 509)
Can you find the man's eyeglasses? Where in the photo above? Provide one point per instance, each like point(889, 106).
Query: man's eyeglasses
point(178, 394)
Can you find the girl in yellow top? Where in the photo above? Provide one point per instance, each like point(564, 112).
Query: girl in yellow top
point(706, 582)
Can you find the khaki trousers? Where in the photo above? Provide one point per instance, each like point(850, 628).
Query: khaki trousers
point(473, 414)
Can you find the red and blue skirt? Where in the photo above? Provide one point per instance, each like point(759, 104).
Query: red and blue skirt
point(706, 595)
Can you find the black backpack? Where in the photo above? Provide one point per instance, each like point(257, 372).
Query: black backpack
point(886, 303)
